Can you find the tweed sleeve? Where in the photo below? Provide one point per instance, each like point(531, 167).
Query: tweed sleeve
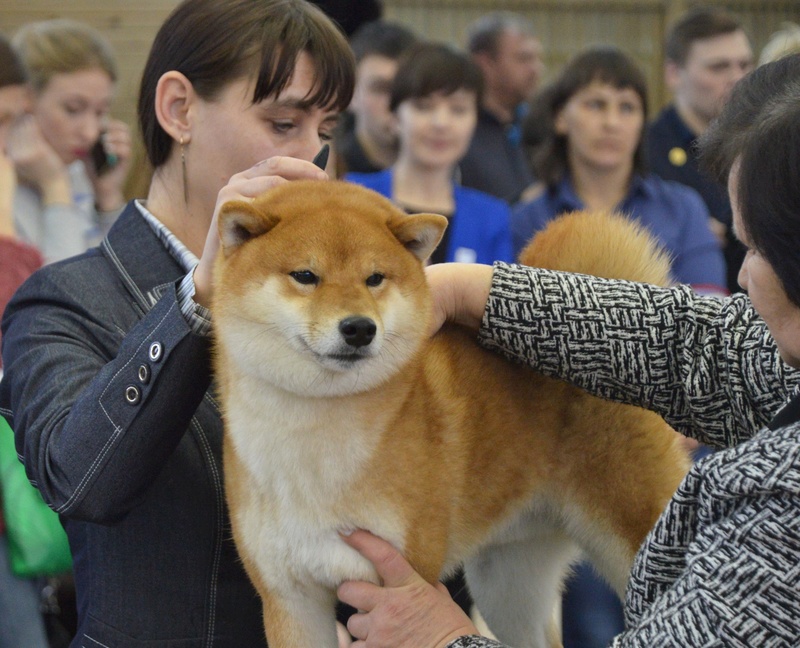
point(475, 641)
point(708, 366)
point(739, 577)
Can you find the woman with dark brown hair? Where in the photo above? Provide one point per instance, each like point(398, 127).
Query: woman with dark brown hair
point(107, 355)
point(434, 99)
point(588, 127)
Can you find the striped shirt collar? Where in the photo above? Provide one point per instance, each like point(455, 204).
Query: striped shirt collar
point(177, 250)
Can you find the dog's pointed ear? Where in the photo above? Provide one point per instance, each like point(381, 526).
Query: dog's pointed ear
point(239, 222)
point(419, 233)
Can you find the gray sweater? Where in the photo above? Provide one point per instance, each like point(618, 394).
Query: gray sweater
point(61, 231)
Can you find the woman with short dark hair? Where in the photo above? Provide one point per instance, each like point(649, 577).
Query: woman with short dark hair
point(107, 355)
point(435, 97)
point(586, 132)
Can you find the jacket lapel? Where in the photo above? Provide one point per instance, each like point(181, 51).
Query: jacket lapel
point(140, 258)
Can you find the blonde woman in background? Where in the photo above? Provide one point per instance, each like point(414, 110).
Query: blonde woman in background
point(71, 157)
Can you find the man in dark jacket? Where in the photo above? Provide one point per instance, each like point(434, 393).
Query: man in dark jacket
point(707, 52)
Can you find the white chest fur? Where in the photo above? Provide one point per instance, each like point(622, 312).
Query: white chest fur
point(304, 457)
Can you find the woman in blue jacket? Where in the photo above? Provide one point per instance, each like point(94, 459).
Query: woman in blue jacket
point(588, 125)
point(435, 97)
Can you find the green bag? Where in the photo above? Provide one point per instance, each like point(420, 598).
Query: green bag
point(37, 543)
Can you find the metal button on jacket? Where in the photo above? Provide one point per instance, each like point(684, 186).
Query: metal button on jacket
point(132, 394)
point(144, 374)
point(155, 351)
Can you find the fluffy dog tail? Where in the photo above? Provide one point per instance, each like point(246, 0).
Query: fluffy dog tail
point(603, 244)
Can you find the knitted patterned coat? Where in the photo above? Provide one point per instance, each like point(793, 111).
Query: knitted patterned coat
point(721, 567)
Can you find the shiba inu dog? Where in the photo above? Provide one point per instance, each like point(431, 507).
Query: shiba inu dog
point(341, 412)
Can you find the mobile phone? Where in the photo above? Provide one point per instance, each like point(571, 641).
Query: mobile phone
point(103, 160)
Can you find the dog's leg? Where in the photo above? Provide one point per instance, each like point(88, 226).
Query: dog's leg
point(303, 620)
point(636, 464)
point(516, 586)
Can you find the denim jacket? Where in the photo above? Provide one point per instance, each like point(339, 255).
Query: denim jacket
point(108, 392)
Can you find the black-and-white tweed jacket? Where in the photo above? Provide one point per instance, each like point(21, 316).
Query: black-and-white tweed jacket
point(722, 565)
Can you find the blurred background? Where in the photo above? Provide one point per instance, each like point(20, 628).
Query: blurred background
point(563, 26)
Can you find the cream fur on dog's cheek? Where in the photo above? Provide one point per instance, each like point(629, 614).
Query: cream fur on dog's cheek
point(267, 325)
point(402, 332)
point(254, 319)
point(278, 325)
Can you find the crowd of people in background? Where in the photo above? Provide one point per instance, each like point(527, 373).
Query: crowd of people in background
point(473, 133)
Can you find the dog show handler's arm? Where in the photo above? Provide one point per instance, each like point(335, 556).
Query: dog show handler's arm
point(668, 350)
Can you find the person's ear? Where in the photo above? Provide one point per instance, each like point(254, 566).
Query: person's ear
point(175, 97)
point(672, 75)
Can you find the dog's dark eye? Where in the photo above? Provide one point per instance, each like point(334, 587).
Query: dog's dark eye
point(375, 279)
point(305, 277)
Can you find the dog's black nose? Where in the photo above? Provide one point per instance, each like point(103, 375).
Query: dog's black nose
point(357, 331)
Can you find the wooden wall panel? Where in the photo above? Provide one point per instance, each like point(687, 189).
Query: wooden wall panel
point(563, 27)
point(566, 26)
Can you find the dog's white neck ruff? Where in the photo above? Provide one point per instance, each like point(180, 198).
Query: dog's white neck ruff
point(303, 437)
point(303, 456)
